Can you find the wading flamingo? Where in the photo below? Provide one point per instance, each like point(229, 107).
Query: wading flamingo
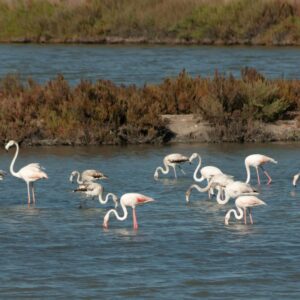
point(93, 189)
point(87, 176)
point(236, 189)
point(172, 160)
point(129, 199)
point(257, 160)
point(29, 173)
point(218, 181)
point(295, 179)
point(206, 172)
point(242, 204)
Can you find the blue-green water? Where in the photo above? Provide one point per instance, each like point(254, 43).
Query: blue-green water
point(143, 64)
point(57, 251)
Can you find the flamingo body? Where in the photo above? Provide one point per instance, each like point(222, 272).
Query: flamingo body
point(87, 176)
point(132, 200)
point(256, 161)
point(242, 204)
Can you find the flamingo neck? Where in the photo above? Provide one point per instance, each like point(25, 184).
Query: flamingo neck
point(198, 179)
point(104, 201)
point(199, 188)
point(114, 211)
point(11, 169)
point(236, 215)
point(166, 171)
point(219, 200)
point(248, 172)
point(79, 181)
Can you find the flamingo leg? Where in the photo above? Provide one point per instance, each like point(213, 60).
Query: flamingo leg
point(245, 216)
point(258, 179)
point(28, 192)
point(180, 168)
point(250, 215)
point(174, 167)
point(266, 173)
point(33, 195)
point(135, 223)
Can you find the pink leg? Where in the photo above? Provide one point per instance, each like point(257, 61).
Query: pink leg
point(245, 216)
point(266, 173)
point(28, 193)
point(258, 179)
point(135, 223)
point(33, 196)
point(250, 215)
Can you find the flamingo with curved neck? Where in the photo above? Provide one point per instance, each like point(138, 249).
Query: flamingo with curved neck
point(93, 189)
point(30, 173)
point(129, 199)
point(234, 190)
point(219, 180)
point(172, 160)
point(257, 161)
point(86, 176)
point(242, 204)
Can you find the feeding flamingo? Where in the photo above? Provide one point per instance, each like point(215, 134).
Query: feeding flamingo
point(129, 199)
point(206, 172)
point(219, 180)
point(29, 173)
point(236, 189)
point(93, 189)
point(257, 160)
point(87, 175)
point(172, 160)
point(295, 179)
point(242, 204)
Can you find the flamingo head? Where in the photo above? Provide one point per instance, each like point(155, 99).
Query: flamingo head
point(295, 179)
point(227, 217)
point(72, 175)
point(105, 222)
point(193, 156)
point(9, 144)
point(187, 195)
point(115, 199)
point(156, 174)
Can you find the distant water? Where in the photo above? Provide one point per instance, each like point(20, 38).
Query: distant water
point(143, 64)
point(57, 251)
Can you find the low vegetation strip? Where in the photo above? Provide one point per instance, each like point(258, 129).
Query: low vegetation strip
point(105, 113)
point(263, 22)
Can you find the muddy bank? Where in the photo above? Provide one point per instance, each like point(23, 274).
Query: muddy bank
point(192, 128)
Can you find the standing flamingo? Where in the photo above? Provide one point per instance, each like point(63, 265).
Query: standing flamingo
point(219, 181)
point(29, 173)
point(172, 160)
point(206, 172)
point(236, 189)
point(242, 204)
point(295, 179)
point(87, 175)
point(93, 189)
point(129, 199)
point(257, 160)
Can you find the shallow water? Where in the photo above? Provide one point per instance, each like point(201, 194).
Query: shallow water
point(55, 250)
point(143, 64)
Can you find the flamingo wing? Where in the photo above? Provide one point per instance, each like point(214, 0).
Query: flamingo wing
point(32, 172)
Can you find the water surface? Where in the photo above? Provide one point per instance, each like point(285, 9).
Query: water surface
point(57, 251)
point(143, 64)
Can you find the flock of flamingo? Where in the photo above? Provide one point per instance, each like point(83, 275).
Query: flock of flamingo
point(223, 185)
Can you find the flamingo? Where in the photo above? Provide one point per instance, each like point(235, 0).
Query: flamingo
point(242, 204)
point(172, 160)
point(236, 189)
point(219, 180)
point(93, 189)
point(2, 174)
point(87, 175)
point(257, 160)
point(206, 172)
point(29, 173)
point(295, 179)
point(129, 199)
